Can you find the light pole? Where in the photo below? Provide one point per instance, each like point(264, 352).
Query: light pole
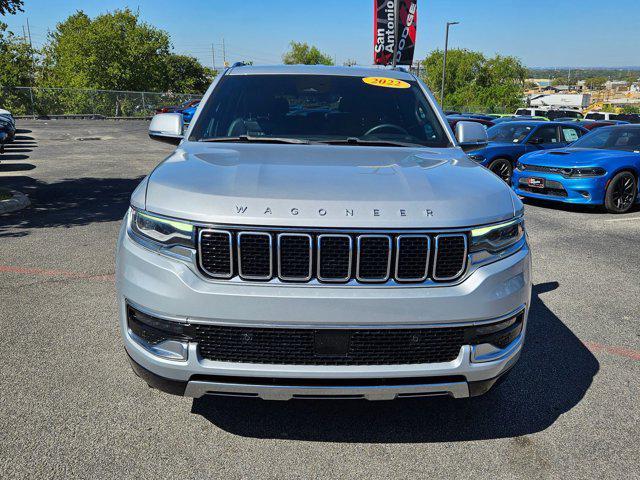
point(444, 61)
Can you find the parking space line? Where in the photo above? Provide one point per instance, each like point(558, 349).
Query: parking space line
point(618, 351)
point(55, 273)
point(626, 219)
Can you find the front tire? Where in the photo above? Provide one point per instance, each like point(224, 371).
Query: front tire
point(502, 168)
point(621, 193)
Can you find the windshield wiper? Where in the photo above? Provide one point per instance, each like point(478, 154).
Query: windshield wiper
point(251, 139)
point(374, 143)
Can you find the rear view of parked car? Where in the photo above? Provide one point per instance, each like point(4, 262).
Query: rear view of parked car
point(601, 168)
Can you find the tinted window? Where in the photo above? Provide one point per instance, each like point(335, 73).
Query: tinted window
point(545, 135)
point(509, 133)
point(318, 108)
point(523, 111)
point(594, 116)
point(611, 138)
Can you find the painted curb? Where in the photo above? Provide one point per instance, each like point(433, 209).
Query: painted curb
point(18, 202)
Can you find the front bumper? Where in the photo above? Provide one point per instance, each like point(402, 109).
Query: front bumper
point(172, 289)
point(584, 191)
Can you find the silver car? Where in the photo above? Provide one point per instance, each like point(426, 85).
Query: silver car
point(319, 232)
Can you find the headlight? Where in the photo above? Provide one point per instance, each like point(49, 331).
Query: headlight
point(477, 158)
point(497, 238)
point(583, 172)
point(162, 230)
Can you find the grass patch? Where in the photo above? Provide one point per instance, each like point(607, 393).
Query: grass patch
point(5, 194)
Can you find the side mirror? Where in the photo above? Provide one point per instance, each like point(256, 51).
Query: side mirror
point(167, 128)
point(471, 135)
point(535, 141)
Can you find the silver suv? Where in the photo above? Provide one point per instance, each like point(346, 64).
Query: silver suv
point(319, 232)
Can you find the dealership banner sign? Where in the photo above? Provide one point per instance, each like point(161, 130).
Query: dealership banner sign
point(394, 31)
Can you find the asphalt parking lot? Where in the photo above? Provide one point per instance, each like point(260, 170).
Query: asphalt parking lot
point(71, 407)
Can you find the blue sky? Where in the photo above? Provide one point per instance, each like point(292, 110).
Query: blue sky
point(541, 32)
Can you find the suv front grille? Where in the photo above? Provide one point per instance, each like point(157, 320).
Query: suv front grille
point(332, 257)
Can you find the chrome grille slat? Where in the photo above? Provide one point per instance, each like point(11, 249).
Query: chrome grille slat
point(332, 262)
point(373, 258)
point(296, 260)
point(413, 257)
point(321, 256)
point(220, 263)
point(256, 267)
point(444, 269)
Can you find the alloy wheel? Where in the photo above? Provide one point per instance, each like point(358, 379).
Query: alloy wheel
point(503, 170)
point(624, 192)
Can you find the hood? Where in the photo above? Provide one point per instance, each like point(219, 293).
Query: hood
point(326, 186)
point(495, 147)
point(575, 157)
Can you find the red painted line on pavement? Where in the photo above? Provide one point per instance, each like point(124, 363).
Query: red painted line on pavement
point(618, 351)
point(55, 273)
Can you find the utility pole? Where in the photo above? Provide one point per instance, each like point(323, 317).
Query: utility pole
point(444, 62)
point(224, 54)
point(213, 57)
point(33, 70)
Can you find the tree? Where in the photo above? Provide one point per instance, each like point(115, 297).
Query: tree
point(595, 83)
point(16, 70)
point(301, 53)
point(15, 59)
point(114, 51)
point(186, 74)
point(10, 6)
point(475, 82)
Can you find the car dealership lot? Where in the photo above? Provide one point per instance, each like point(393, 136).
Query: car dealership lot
point(71, 407)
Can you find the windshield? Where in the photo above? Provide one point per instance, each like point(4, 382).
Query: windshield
point(509, 133)
point(611, 138)
point(318, 108)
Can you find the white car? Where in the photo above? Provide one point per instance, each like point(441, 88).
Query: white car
point(319, 232)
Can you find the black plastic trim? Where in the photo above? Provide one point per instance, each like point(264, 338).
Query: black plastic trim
point(483, 386)
point(173, 387)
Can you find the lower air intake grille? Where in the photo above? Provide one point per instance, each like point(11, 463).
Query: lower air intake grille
point(299, 346)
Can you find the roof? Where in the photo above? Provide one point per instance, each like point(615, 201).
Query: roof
point(320, 70)
point(533, 123)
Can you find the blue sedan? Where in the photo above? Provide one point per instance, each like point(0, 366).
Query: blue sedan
point(601, 168)
point(510, 140)
point(188, 113)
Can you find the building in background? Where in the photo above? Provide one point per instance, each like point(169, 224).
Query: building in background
point(571, 100)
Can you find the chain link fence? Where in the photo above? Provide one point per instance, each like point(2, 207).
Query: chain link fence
point(41, 101)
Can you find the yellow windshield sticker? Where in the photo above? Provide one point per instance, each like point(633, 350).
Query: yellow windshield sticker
point(386, 82)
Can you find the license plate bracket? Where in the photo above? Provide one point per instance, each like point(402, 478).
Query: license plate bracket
point(331, 343)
